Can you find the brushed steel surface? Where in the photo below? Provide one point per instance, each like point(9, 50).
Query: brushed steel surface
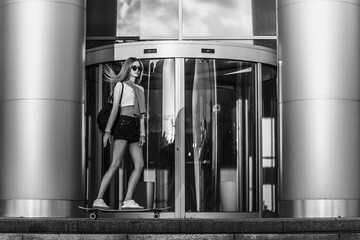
point(320, 154)
point(42, 65)
point(42, 51)
point(319, 50)
point(181, 49)
point(40, 154)
point(40, 208)
point(320, 208)
point(319, 89)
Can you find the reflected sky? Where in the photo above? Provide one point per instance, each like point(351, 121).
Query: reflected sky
point(128, 18)
point(159, 18)
point(201, 18)
point(214, 18)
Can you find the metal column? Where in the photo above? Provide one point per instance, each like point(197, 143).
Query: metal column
point(319, 69)
point(42, 45)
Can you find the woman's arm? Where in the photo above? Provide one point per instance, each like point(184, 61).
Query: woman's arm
point(142, 124)
point(142, 130)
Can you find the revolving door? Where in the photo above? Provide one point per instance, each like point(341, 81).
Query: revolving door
point(211, 128)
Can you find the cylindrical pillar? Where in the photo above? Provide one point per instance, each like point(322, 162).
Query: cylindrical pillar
point(319, 69)
point(42, 57)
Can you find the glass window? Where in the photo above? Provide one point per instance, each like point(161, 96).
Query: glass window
point(159, 84)
point(91, 132)
point(269, 132)
point(128, 18)
point(231, 19)
point(218, 19)
point(220, 137)
point(264, 17)
point(148, 19)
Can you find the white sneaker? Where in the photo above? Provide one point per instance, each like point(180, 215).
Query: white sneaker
point(99, 203)
point(131, 204)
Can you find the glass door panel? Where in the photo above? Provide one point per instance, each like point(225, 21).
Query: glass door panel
point(159, 84)
point(269, 136)
point(220, 136)
point(156, 186)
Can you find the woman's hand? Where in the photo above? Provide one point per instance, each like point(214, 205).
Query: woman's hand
point(106, 138)
point(142, 141)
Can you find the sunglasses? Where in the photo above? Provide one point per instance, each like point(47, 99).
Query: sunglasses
point(134, 68)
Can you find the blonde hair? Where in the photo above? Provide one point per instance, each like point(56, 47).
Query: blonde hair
point(124, 73)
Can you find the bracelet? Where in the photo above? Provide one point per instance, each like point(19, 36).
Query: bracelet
point(142, 135)
point(107, 131)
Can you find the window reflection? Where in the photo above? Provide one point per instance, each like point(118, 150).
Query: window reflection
point(220, 136)
point(220, 19)
point(159, 82)
point(231, 19)
point(148, 19)
point(269, 132)
point(159, 18)
point(128, 18)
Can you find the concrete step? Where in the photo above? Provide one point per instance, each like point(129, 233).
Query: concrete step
point(148, 229)
point(177, 236)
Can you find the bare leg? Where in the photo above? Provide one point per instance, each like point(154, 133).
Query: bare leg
point(138, 159)
point(118, 153)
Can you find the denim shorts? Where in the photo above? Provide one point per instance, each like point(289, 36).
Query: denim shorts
point(127, 128)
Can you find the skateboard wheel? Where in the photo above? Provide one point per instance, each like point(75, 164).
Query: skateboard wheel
point(156, 215)
point(93, 215)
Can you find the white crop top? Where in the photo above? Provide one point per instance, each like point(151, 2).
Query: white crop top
point(128, 98)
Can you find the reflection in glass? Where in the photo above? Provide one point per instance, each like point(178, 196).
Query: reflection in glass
point(159, 19)
point(128, 18)
point(91, 131)
point(220, 136)
point(231, 19)
point(147, 19)
point(219, 19)
point(158, 82)
point(269, 132)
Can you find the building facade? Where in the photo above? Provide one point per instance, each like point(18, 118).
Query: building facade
point(253, 106)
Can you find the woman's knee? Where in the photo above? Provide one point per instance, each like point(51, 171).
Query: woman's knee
point(115, 165)
point(139, 165)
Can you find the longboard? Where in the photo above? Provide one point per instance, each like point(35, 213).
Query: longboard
point(94, 212)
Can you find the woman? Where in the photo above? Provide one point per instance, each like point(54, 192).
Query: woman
point(129, 130)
